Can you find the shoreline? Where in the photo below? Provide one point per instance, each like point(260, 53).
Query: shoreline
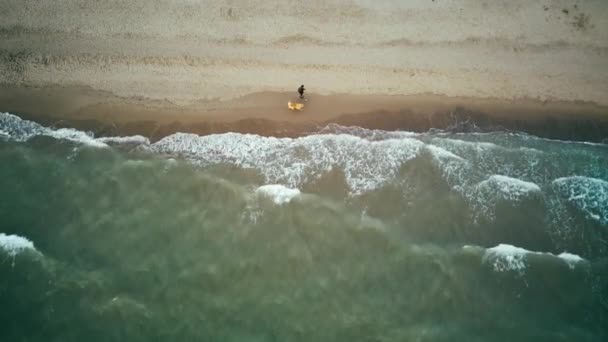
point(214, 67)
point(266, 113)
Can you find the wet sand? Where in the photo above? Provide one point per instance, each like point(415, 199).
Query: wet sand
point(266, 113)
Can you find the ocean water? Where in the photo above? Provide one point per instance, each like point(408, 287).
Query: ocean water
point(346, 234)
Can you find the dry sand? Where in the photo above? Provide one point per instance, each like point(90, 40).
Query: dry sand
point(211, 66)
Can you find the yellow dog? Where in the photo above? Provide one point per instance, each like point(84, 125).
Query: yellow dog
point(295, 106)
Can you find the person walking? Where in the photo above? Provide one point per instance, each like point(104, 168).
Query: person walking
point(301, 91)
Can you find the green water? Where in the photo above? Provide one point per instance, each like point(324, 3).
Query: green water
point(131, 245)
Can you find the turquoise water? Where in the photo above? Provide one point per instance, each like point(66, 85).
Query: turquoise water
point(343, 235)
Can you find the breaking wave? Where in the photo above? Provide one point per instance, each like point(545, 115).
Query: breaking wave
point(279, 194)
point(367, 165)
point(589, 195)
point(491, 172)
point(13, 245)
point(505, 257)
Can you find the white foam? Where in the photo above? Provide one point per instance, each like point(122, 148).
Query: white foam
point(441, 153)
point(590, 195)
point(365, 133)
point(18, 129)
point(278, 193)
point(568, 142)
point(133, 139)
point(570, 259)
point(15, 244)
point(75, 136)
point(367, 165)
point(482, 172)
point(455, 170)
point(466, 145)
point(509, 188)
point(505, 257)
point(485, 195)
point(489, 158)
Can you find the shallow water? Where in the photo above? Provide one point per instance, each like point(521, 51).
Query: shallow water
point(344, 235)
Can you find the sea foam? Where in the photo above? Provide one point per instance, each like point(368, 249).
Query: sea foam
point(367, 165)
point(512, 189)
point(278, 193)
point(15, 244)
point(18, 129)
point(365, 133)
point(483, 172)
point(134, 139)
point(505, 257)
point(589, 195)
point(456, 170)
point(14, 128)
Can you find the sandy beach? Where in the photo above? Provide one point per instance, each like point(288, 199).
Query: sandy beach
point(222, 66)
point(445, 180)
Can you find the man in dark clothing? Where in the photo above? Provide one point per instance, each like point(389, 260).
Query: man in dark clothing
point(301, 91)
